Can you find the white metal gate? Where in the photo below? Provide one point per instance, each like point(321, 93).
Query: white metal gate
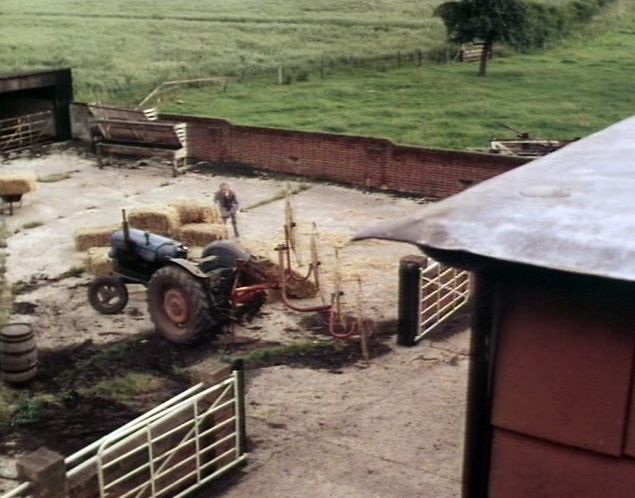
point(170, 451)
point(443, 291)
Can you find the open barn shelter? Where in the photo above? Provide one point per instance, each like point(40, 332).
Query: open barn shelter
point(551, 402)
point(34, 108)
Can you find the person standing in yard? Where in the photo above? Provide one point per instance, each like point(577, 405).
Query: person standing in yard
point(227, 203)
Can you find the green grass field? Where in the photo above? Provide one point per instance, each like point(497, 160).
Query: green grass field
point(120, 50)
point(562, 93)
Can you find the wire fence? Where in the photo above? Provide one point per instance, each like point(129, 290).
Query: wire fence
point(287, 73)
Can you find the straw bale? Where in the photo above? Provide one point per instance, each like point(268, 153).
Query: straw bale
point(94, 237)
point(196, 212)
point(200, 234)
point(98, 261)
point(18, 183)
point(295, 289)
point(161, 220)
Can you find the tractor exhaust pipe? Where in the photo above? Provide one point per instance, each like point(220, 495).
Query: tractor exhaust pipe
point(126, 228)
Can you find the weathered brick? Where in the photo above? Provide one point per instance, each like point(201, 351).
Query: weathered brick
point(360, 161)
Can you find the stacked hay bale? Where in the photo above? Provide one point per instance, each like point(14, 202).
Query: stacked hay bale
point(196, 212)
point(200, 223)
point(87, 238)
point(96, 243)
point(161, 220)
point(98, 262)
point(193, 223)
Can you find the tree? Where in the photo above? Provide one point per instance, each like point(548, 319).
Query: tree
point(486, 20)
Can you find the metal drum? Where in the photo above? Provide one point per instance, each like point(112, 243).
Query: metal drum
point(18, 353)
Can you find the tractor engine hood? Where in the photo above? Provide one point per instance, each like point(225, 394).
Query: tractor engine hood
point(148, 246)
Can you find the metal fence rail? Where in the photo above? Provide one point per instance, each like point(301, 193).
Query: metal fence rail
point(444, 290)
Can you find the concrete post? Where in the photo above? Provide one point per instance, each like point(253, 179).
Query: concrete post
point(210, 372)
point(46, 471)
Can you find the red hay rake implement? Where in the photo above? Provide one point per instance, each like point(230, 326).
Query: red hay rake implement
point(340, 326)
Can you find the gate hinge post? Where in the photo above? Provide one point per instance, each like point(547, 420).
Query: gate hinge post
point(46, 471)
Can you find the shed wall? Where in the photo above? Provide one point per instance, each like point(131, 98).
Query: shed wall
point(562, 408)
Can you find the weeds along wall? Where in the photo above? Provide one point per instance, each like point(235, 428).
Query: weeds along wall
point(359, 161)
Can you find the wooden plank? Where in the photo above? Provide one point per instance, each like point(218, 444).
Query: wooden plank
point(128, 113)
point(139, 151)
point(137, 132)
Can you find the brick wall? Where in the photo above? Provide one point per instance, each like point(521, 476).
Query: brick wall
point(359, 161)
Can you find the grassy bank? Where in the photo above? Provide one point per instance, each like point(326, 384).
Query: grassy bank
point(565, 92)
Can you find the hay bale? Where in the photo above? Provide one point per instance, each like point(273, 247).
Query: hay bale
point(17, 183)
point(98, 261)
point(196, 212)
point(94, 237)
point(295, 289)
point(200, 234)
point(161, 220)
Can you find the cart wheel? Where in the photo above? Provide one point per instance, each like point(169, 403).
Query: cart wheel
point(108, 295)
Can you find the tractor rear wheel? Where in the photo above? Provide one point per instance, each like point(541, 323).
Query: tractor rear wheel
point(108, 295)
point(179, 306)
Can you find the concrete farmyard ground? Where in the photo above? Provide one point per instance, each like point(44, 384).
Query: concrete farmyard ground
point(392, 428)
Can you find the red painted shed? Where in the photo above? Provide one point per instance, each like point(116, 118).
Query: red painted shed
point(551, 401)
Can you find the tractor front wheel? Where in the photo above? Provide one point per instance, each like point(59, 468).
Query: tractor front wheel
point(178, 305)
point(108, 295)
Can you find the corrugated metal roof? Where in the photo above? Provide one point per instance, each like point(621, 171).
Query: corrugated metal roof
point(573, 210)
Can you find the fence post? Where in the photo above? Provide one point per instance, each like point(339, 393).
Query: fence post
point(409, 298)
point(238, 366)
point(280, 79)
point(419, 57)
point(46, 471)
point(399, 59)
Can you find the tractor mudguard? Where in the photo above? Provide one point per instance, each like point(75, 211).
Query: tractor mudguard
point(191, 267)
point(219, 281)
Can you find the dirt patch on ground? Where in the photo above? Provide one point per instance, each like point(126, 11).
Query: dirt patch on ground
point(60, 415)
point(69, 427)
